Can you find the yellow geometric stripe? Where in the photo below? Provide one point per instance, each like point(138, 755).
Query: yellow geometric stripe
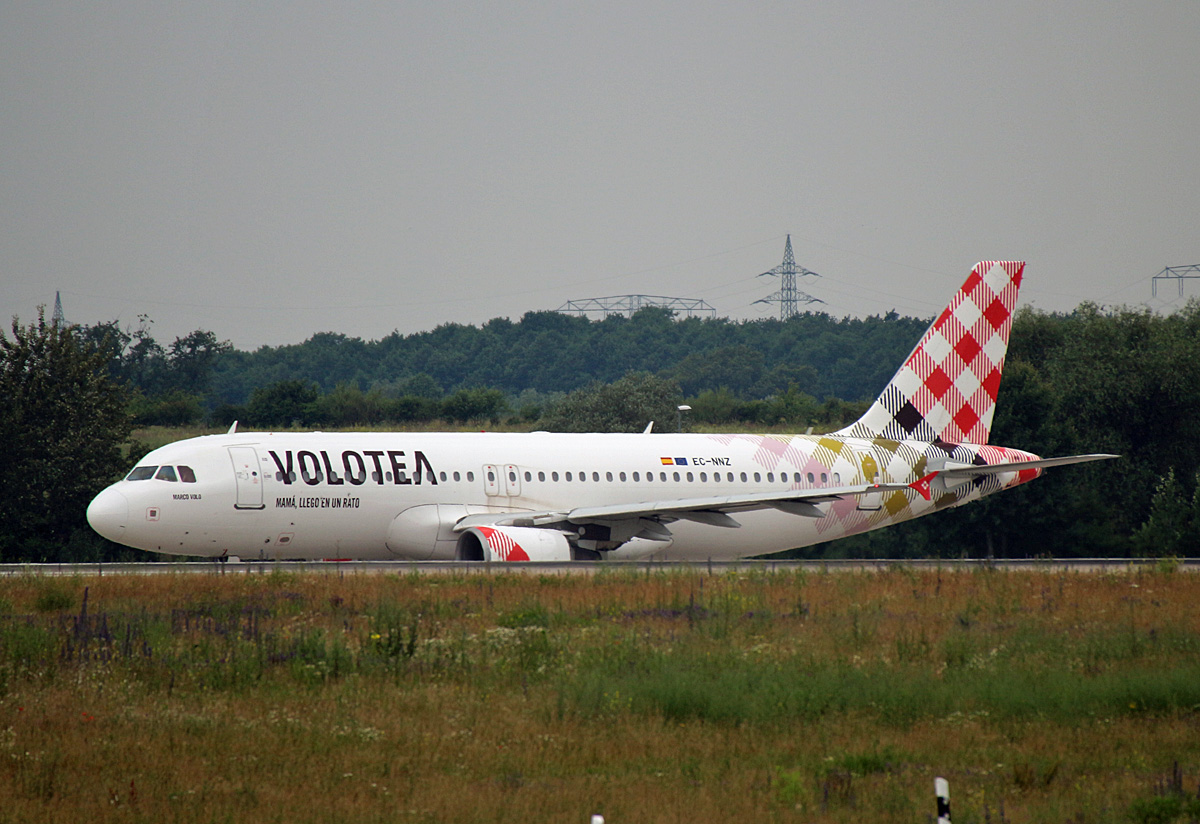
point(896, 503)
point(834, 446)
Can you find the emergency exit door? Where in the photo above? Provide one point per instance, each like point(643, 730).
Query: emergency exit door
point(870, 501)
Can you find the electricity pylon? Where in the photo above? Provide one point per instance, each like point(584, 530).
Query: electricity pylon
point(788, 295)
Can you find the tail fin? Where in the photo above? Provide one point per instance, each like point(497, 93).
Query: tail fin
point(946, 390)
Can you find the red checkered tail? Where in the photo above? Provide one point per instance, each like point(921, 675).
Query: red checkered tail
point(946, 389)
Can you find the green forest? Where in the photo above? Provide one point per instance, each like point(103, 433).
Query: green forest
point(1118, 380)
point(504, 369)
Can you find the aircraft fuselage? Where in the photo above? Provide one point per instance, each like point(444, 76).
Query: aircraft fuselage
point(398, 495)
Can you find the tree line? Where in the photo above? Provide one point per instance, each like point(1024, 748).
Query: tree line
point(1122, 380)
point(756, 372)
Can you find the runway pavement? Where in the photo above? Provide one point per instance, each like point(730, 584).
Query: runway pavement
point(1108, 565)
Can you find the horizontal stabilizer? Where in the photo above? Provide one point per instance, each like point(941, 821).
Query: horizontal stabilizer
point(959, 470)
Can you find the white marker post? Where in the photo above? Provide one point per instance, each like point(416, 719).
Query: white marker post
point(942, 787)
point(597, 819)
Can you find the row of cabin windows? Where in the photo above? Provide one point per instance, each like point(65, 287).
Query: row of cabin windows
point(187, 475)
point(690, 477)
point(162, 473)
point(401, 477)
point(622, 477)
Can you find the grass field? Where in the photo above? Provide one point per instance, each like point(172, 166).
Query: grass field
point(644, 696)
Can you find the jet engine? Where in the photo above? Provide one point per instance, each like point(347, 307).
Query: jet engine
point(512, 543)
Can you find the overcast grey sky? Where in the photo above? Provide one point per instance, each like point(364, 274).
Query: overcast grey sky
point(272, 170)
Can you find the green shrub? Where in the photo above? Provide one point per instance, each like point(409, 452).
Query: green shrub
point(53, 597)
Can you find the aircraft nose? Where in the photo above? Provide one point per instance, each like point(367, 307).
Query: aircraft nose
point(108, 513)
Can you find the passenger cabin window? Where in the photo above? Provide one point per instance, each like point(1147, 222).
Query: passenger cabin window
point(167, 473)
point(187, 475)
point(141, 473)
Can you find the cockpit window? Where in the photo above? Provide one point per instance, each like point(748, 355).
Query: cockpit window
point(141, 473)
point(187, 475)
point(167, 473)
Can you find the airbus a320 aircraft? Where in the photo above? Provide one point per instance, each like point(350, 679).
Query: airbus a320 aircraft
point(920, 448)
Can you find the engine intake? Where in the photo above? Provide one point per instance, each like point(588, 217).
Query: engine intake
point(512, 543)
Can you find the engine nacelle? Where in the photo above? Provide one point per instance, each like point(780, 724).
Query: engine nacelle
point(512, 543)
point(426, 532)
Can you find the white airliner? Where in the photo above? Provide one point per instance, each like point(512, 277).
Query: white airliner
point(921, 447)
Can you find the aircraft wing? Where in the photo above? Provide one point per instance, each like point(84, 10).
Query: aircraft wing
point(714, 510)
point(707, 510)
point(803, 500)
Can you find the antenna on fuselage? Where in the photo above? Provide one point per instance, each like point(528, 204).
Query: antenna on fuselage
point(649, 427)
point(232, 428)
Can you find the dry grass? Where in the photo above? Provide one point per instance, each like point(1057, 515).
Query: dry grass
point(642, 696)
